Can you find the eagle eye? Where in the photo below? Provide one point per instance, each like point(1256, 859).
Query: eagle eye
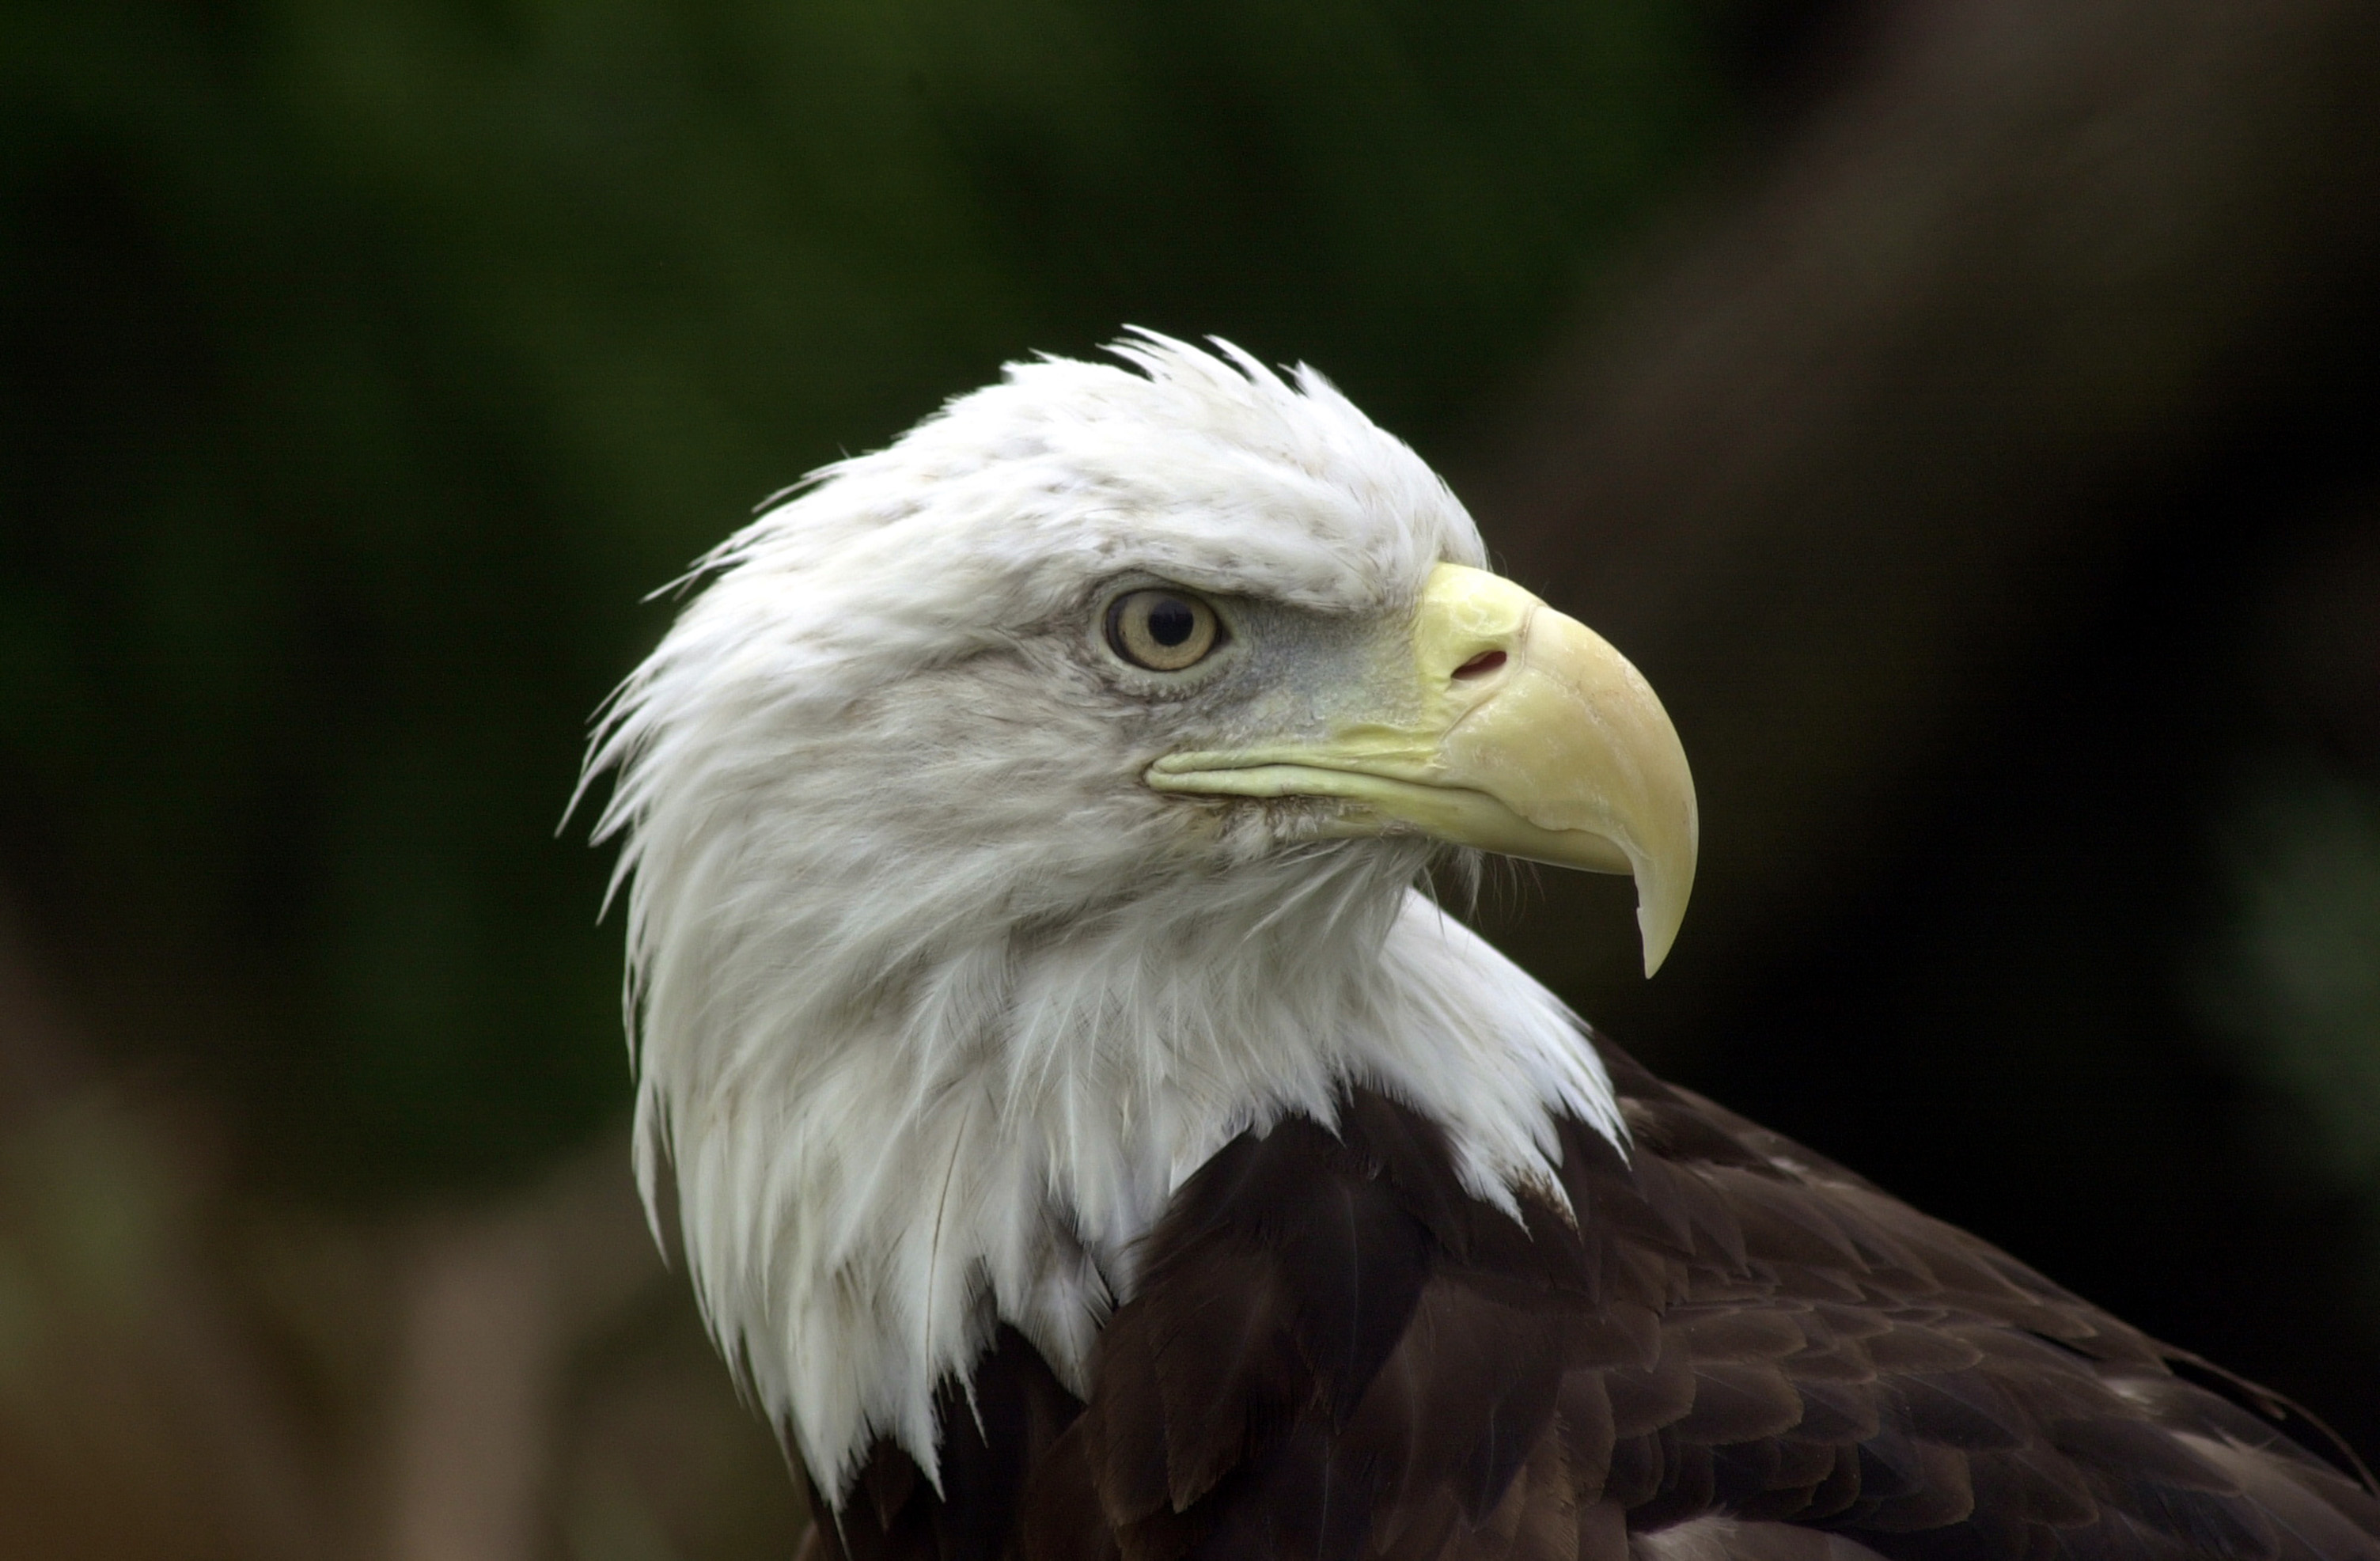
point(1163, 631)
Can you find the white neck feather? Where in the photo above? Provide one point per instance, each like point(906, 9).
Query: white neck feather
point(879, 1177)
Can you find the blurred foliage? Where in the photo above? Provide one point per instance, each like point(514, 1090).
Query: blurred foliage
point(364, 363)
point(2299, 980)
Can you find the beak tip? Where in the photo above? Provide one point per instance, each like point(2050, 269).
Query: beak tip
point(1657, 948)
point(1658, 917)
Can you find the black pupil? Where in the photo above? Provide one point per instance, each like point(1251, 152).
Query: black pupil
point(1170, 621)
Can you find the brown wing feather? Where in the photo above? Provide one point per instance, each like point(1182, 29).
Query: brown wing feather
point(1738, 1351)
point(996, 1435)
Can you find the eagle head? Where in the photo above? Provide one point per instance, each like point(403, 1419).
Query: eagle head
point(1019, 812)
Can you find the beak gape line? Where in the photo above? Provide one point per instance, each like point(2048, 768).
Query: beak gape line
point(1525, 733)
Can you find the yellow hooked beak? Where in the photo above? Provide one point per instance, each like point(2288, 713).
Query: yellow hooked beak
point(1523, 732)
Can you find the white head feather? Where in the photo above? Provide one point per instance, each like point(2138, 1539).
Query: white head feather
point(934, 1002)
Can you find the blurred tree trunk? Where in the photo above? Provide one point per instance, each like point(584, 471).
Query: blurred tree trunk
point(138, 1415)
point(143, 1411)
point(495, 1301)
point(1882, 418)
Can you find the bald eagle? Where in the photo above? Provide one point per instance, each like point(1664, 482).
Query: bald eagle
point(1089, 1141)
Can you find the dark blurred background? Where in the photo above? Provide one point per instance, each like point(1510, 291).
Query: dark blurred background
point(1963, 410)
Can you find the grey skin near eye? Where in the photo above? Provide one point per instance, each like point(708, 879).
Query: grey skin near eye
point(1294, 674)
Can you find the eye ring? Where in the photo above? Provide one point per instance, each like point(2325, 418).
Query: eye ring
point(1162, 630)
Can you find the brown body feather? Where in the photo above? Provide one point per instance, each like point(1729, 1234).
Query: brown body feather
point(1737, 1352)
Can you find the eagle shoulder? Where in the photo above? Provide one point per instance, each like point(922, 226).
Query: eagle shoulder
point(1725, 1349)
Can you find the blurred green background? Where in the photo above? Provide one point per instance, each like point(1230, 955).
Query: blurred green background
point(1962, 410)
point(370, 363)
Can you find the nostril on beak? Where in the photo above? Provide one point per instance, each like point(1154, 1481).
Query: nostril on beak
point(1480, 665)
